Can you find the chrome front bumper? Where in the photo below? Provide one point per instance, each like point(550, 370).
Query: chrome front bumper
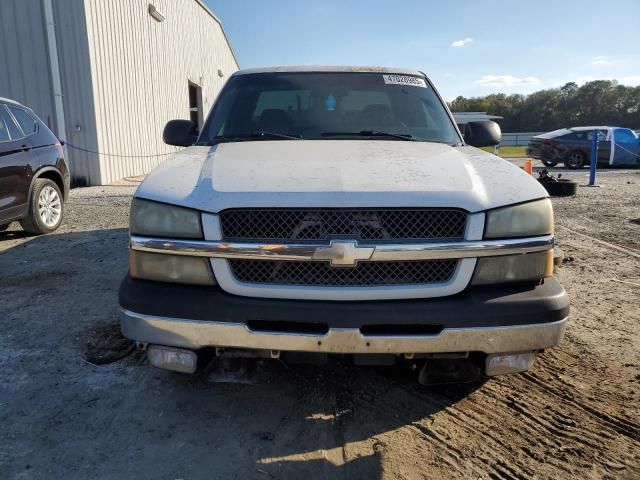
point(195, 334)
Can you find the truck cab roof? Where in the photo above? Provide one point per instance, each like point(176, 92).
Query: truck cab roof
point(329, 69)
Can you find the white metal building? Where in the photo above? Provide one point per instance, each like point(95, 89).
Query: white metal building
point(106, 75)
point(463, 118)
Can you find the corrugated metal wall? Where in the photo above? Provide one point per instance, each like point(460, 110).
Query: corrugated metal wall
point(124, 75)
point(24, 63)
point(140, 69)
point(77, 89)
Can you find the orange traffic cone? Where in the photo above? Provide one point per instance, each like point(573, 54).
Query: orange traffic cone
point(528, 166)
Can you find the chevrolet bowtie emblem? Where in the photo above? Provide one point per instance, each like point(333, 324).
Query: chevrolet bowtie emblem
point(343, 253)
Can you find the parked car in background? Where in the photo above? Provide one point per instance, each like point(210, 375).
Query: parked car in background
point(572, 147)
point(339, 210)
point(34, 177)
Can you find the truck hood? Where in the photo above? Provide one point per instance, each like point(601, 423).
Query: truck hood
point(338, 173)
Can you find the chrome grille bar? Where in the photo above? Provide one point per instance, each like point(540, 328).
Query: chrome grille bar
point(307, 252)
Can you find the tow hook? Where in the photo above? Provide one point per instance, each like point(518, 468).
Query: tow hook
point(442, 371)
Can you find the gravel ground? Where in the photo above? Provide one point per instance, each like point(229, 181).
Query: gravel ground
point(76, 401)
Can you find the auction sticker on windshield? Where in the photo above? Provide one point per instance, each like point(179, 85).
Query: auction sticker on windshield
point(404, 80)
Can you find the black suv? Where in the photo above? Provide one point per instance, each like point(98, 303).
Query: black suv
point(34, 177)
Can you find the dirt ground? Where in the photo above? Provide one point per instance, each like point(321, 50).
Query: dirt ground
point(77, 402)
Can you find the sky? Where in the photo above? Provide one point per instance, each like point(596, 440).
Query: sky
point(466, 47)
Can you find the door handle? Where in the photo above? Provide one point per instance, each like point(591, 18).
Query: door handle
point(25, 148)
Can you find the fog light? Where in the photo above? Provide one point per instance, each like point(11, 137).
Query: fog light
point(176, 359)
point(501, 363)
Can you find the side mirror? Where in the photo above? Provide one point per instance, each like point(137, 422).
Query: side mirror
point(181, 133)
point(482, 134)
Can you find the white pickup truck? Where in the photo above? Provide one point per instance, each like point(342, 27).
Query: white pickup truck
point(339, 210)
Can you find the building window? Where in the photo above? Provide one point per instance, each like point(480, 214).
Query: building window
point(195, 104)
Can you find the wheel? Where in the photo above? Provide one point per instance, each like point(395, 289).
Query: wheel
point(45, 208)
point(575, 160)
point(549, 163)
point(561, 188)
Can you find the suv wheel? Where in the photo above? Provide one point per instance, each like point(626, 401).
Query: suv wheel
point(575, 160)
point(549, 163)
point(45, 208)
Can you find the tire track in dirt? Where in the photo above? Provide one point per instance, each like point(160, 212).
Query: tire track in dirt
point(451, 455)
point(388, 400)
point(548, 436)
point(575, 439)
point(519, 407)
point(535, 417)
point(592, 434)
point(547, 379)
point(385, 401)
point(539, 425)
point(473, 412)
point(489, 454)
point(618, 424)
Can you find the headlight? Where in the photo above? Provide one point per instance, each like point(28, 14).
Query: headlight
point(170, 268)
point(155, 219)
point(524, 220)
point(513, 268)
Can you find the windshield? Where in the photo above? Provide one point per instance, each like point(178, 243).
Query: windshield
point(284, 106)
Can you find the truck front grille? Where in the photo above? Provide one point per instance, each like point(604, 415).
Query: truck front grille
point(323, 274)
point(380, 225)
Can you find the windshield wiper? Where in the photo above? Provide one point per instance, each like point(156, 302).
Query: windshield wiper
point(247, 138)
point(266, 133)
point(373, 133)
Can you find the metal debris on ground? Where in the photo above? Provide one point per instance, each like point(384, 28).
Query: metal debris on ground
point(557, 186)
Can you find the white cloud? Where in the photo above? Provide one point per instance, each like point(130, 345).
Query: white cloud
point(462, 43)
point(505, 81)
point(602, 60)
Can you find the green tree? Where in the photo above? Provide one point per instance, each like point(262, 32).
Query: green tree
point(600, 102)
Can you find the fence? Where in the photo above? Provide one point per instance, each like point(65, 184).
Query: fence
point(517, 139)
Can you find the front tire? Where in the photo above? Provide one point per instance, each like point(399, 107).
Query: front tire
point(549, 163)
point(46, 208)
point(575, 160)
